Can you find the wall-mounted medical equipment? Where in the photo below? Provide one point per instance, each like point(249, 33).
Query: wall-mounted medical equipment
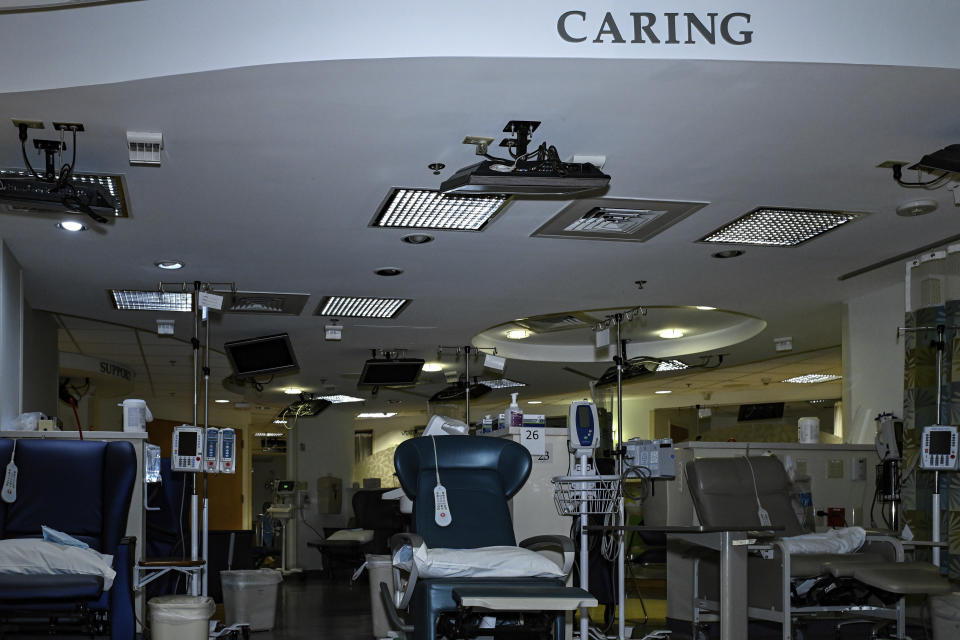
point(187, 454)
point(583, 424)
point(654, 458)
point(939, 448)
point(211, 450)
point(227, 453)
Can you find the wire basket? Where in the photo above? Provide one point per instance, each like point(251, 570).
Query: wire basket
point(599, 494)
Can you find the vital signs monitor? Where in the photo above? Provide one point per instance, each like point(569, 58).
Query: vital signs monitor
point(584, 427)
point(187, 452)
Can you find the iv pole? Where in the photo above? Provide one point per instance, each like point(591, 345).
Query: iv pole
point(195, 342)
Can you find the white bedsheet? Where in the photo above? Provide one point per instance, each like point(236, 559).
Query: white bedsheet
point(485, 562)
point(37, 556)
point(843, 540)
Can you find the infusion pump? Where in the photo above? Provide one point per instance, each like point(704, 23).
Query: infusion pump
point(939, 448)
point(187, 452)
point(196, 449)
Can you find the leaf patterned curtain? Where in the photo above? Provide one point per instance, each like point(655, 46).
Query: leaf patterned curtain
point(920, 410)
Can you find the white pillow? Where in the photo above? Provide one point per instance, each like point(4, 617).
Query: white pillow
point(351, 535)
point(843, 540)
point(485, 562)
point(36, 556)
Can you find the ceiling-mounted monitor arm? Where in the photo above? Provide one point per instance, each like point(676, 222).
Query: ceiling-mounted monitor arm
point(523, 132)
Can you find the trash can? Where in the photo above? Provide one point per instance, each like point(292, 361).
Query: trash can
point(180, 617)
point(381, 570)
point(945, 613)
point(250, 596)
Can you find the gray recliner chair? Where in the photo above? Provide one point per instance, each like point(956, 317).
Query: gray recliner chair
point(725, 493)
point(480, 475)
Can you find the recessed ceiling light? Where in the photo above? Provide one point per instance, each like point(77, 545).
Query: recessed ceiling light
point(534, 401)
point(128, 300)
point(432, 367)
point(359, 307)
point(340, 399)
point(388, 271)
point(731, 253)
point(502, 383)
point(71, 225)
point(269, 434)
point(779, 227)
point(221, 401)
point(663, 392)
point(705, 308)
point(812, 378)
point(517, 334)
point(670, 334)
point(417, 238)
point(430, 209)
point(672, 365)
point(170, 265)
point(279, 421)
point(377, 415)
point(293, 391)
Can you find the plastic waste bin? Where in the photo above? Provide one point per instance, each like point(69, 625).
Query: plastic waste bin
point(250, 597)
point(381, 570)
point(945, 612)
point(180, 617)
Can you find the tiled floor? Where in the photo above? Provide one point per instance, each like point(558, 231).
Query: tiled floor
point(318, 608)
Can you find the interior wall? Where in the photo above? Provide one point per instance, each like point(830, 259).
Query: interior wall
point(324, 446)
point(873, 361)
point(11, 336)
point(40, 362)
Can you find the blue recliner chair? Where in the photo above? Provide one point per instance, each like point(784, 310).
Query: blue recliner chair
point(82, 488)
point(480, 475)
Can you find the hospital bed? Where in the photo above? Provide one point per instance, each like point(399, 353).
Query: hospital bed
point(729, 492)
point(479, 476)
point(81, 488)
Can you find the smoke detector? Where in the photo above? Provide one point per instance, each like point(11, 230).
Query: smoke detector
point(917, 208)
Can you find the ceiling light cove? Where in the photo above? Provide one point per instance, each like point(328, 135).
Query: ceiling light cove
point(671, 334)
point(812, 378)
point(169, 265)
point(663, 392)
point(518, 334)
point(388, 414)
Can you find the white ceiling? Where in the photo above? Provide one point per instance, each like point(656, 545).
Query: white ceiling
point(271, 176)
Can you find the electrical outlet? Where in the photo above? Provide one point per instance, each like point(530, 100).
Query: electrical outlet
point(858, 469)
point(835, 469)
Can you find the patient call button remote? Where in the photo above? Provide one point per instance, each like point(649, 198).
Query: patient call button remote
point(441, 510)
point(9, 491)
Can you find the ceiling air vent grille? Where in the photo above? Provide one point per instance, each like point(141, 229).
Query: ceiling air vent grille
point(284, 304)
point(559, 322)
point(616, 219)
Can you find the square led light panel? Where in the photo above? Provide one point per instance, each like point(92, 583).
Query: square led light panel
point(430, 209)
point(779, 227)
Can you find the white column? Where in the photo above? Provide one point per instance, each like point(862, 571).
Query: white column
point(11, 336)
